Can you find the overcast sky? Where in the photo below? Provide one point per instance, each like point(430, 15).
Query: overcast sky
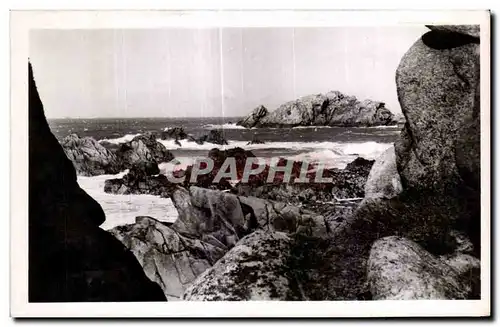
point(211, 72)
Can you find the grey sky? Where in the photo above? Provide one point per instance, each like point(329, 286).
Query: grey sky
point(211, 72)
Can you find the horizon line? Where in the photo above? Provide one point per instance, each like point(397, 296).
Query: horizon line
point(148, 117)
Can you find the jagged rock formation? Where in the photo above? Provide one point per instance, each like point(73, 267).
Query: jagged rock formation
point(89, 157)
point(330, 109)
point(168, 258)
point(253, 119)
point(70, 257)
point(143, 149)
point(210, 223)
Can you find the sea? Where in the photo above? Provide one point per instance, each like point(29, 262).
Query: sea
point(334, 147)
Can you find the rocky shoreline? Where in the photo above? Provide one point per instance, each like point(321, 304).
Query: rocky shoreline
point(409, 229)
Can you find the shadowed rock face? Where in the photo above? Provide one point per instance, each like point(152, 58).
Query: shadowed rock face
point(70, 257)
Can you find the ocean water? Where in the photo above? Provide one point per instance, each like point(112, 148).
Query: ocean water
point(332, 146)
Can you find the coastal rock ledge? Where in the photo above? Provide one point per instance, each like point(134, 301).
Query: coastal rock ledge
point(331, 109)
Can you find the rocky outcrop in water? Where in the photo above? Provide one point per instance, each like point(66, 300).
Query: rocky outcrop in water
point(89, 157)
point(330, 109)
point(175, 133)
point(70, 258)
point(143, 150)
point(214, 136)
point(253, 119)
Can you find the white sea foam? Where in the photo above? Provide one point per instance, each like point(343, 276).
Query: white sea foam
point(223, 126)
point(123, 139)
point(355, 148)
point(330, 154)
point(122, 209)
point(315, 127)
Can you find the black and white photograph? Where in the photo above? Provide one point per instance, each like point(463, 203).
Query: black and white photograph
point(252, 163)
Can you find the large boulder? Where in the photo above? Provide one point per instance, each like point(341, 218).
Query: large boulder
point(208, 212)
point(89, 157)
point(170, 259)
point(256, 269)
point(330, 109)
point(158, 150)
point(437, 83)
point(70, 257)
point(383, 180)
point(399, 269)
point(143, 151)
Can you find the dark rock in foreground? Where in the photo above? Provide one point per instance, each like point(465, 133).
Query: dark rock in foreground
point(210, 223)
point(255, 269)
point(70, 258)
point(330, 109)
point(168, 258)
point(400, 269)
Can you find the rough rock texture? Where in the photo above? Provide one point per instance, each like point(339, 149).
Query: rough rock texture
point(399, 269)
point(70, 257)
point(346, 183)
point(436, 83)
point(330, 109)
point(210, 223)
point(254, 117)
point(143, 150)
point(383, 180)
point(472, 30)
point(89, 157)
point(256, 269)
point(139, 180)
point(439, 150)
point(214, 136)
point(168, 258)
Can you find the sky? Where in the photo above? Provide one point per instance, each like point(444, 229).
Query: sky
point(211, 72)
